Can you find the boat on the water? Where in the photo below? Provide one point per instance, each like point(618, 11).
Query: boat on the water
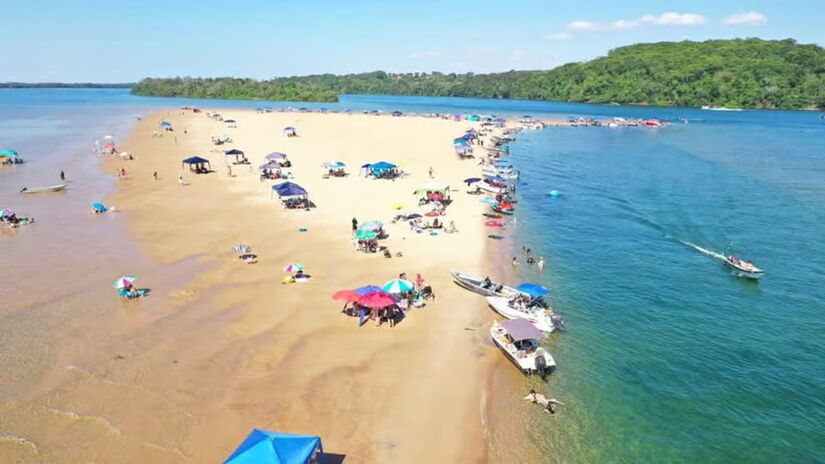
point(719, 108)
point(482, 285)
point(519, 341)
point(533, 310)
point(742, 268)
point(487, 187)
point(46, 189)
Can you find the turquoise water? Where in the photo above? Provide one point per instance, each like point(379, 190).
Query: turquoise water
point(667, 357)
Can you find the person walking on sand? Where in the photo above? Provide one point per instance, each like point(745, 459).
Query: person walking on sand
point(155, 175)
point(62, 176)
point(354, 225)
point(431, 172)
point(180, 179)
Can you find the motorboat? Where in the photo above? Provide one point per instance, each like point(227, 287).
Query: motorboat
point(482, 285)
point(720, 108)
point(742, 268)
point(508, 174)
point(487, 187)
point(519, 341)
point(533, 310)
point(46, 189)
point(497, 151)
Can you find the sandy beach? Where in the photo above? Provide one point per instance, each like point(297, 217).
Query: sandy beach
point(234, 348)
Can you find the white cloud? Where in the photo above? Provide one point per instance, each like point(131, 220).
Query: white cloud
point(559, 36)
point(582, 26)
point(666, 19)
point(420, 55)
point(750, 18)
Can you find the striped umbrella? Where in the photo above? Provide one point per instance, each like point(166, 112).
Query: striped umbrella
point(242, 249)
point(398, 286)
point(294, 267)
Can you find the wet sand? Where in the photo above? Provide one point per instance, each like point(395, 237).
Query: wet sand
point(224, 347)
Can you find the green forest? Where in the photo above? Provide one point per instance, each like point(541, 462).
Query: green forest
point(740, 73)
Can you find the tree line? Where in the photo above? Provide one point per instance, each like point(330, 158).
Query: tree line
point(741, 73)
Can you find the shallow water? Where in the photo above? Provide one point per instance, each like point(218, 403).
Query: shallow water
point(667, 357)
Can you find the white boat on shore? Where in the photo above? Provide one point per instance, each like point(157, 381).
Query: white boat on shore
point(519, 341)
point(46, 189)
point(491, 188)
point(508, 174)
point(543, 319)
point(482, 285)
point(742, 268)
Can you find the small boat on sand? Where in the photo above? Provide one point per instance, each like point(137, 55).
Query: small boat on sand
point(532, 310)
point(482, 285)
point(46, 189)
point(742, 268)
point(519, 341)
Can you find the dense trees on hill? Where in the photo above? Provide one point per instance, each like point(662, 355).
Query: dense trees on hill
point(745, 73)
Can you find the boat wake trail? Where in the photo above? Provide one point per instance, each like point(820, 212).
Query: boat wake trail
point(704, 251)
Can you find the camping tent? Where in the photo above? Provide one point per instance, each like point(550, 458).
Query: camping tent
point(266, 447)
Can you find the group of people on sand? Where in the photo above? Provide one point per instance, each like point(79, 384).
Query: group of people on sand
point(528, 258)
point(11, 220)
point(416, 297)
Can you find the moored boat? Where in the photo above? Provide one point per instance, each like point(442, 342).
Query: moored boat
point(519, 341)
point(482, 285)
point(742, 268)
point(533, 311)
point(49, 188)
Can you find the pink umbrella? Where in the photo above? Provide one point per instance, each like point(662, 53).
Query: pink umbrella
point(376, 300)
point(433, 214)
point(346, 295)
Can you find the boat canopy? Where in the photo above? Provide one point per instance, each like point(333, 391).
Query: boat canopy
point(533, 290)
point(267, 447)
point(521, 329)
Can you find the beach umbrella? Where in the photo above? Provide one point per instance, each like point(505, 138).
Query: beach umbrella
point(371, 225)
point(8, 153)
point(275, 155)
point(336, 165)
point(365, 235)
point(289, 128)
point(433, 214)
point(533, 290)
point(234, 152)
point(99, 207)
point(398, 286)
point(367, 289)
point(413, 216)
point(294, 267)
point(6, 212)
point(349, 296)
point(472, 180)
point(376, 300)
point(124, 281)
point(242, 249)
point(493, 223)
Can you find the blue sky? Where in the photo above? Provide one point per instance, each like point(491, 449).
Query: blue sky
point(119, 41)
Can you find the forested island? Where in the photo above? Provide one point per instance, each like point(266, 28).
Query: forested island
point(63, 85)
point(740, 73)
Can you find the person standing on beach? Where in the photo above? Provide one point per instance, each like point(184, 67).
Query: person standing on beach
point(180, 179)
point(354, 225)
point(431, 172)
point(62, 176)
point(155, 175)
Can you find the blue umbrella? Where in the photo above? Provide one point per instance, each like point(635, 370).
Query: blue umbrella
point(336, 165)
point(99, 207)
point(367, 289)
point(471, 180)
point(533, 290)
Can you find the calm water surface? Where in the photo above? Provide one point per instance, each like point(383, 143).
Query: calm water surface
point(667, 357)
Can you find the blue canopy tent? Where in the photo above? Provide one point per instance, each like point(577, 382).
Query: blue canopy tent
point(381, 168)
point(533, 290)
point(289, 189)
point(198, 164)
point(238, 154)
point(266, 447)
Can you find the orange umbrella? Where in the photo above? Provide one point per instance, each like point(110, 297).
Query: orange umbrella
point(346, 295)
